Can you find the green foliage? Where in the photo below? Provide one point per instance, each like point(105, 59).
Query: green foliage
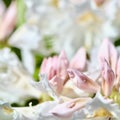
point(26, 102)
point(21, 9)
point(7, 2)
point(34, 101)
point(38, 61)
point(15, 105)
point(36, 74)
point(48, 42)
point(17, 52)
point(117, 42)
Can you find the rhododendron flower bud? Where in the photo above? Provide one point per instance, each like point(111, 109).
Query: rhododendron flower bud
point(62, 65)
point(79, 61)
point(108, 52)
point(83, 82)
point(49, 67)
point(56, 65)
point(7, 24)
point(66, 109)
point(56, 70)
point(57, 84)
point(107, 78)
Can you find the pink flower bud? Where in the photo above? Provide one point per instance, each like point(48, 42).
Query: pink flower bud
point(83, 82)
point(62, 65)
point(108, 52)
point(8, 22)
point(107, 78)
point(49, 67)
point(56, 70)
point(79, 61)
point(57, 84)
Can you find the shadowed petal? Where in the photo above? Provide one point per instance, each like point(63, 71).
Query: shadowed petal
point(66, 109)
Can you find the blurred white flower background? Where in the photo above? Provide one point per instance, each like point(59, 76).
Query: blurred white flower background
point(59, 60)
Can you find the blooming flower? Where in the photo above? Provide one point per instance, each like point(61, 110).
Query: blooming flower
point(56, 74)
point(105, 84)
point(63, 79)
point(14, 79)
point(78, 25)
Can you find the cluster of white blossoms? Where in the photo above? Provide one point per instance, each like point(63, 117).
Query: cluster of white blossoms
point(65, 24)
point(78, 91)
point(82, 79)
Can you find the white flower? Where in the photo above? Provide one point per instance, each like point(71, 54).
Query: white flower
point(97, 103)
point(66, 25)
point(14, 79)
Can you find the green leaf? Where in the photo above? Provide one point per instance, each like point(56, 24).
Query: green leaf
point(48, 41)
point(38, 61)
point(21, 9)
point(117, 42)
point(7, 2)
point(17, 52)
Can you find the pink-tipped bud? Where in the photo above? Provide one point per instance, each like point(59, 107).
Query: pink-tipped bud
point(63, 64)
point(8, 22)
point(57, 84)
point(83, 82)
point(55, 66)
point(108, 52)
point(79, 61)
point(49, 67)
point(107, 78)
